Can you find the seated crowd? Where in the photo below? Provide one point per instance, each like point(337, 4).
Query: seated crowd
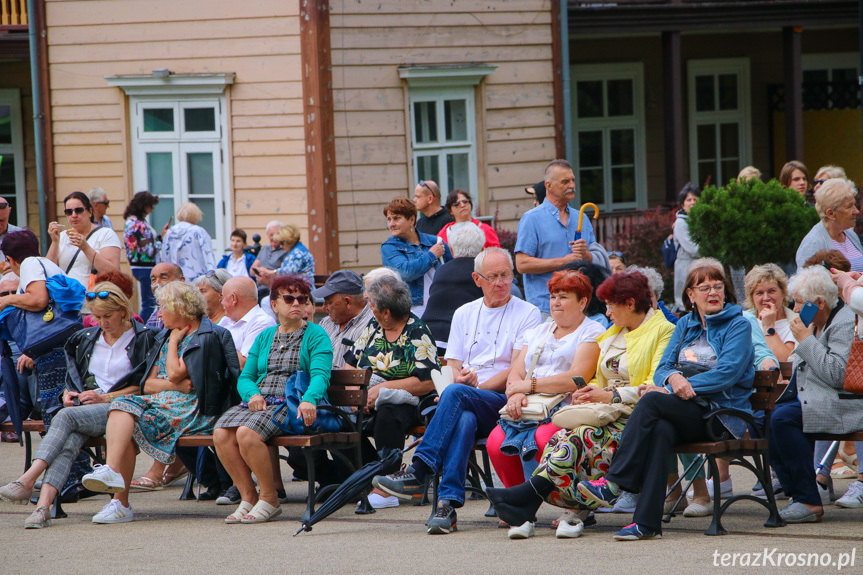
point(219, 351)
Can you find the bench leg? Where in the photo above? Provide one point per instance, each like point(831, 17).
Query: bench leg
point(57, 509)
point(763, 465)
point(310, 466)
point(435, 486)
point(28, 451)
point(188, 493)
point(716, 523)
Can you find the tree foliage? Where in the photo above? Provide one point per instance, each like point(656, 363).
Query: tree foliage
point(749, 223)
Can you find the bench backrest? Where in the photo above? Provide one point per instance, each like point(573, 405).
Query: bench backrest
point(764, 396)
point(786, 368)
point(349, 387)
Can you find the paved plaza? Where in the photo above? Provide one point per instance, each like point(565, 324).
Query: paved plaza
point(171, 536)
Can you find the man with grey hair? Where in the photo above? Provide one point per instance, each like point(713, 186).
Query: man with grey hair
point(485, 336)
point(427, 200)
point(270, 257)
point(160, 275)
point(348, 314)
point(546, 236)
point(99, 201)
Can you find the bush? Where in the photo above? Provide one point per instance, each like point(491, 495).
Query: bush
point(749, 223)
point(641, 244)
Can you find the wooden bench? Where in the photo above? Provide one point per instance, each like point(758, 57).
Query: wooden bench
point(348, 389)
point(735, 451)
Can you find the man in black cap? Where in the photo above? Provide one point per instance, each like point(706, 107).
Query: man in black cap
point(537, 191)
point(348, 314)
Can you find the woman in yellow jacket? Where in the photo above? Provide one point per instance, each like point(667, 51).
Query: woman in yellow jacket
point(630, 351)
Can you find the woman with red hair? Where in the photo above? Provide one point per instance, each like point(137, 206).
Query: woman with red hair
point(625, 357)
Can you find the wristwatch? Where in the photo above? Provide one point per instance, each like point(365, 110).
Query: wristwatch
point(615, 397)
point(770, 331)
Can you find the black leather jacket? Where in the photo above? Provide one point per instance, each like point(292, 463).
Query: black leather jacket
point(79, 349)
point(213, 366)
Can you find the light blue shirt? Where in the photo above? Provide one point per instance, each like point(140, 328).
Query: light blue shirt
point(542, 235)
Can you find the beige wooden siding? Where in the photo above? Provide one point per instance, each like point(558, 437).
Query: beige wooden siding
point(259, 41)
point(370, 40)
point(17, 75)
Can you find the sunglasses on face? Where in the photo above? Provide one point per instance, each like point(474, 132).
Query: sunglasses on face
point(106, 203)
point(79, 210)
point(818, 182)
point(290, 299)
point(93, 295)
point(461, 203)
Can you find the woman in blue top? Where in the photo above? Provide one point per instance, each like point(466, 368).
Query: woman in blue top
point(713, 346)
point(413, 254)
point(299, 260)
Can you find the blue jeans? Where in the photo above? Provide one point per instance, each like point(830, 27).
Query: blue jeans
point(148, 300)
point(791, 454)
point(463, 414)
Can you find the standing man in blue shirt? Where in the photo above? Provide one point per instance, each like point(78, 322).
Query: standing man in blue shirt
point(546, 236)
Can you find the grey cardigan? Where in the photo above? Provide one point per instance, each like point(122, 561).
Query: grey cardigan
point(818, 239)
point(820, 367)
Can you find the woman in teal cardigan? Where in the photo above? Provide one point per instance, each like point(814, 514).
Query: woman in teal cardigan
point(279, 352)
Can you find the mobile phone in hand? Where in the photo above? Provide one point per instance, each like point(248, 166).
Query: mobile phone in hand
point(807, 314)
point(579, 382)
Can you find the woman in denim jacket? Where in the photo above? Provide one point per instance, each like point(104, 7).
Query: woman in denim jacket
point(413, 254)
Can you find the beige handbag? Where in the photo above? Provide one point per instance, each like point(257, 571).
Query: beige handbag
point(539, 405)
point(593, 414)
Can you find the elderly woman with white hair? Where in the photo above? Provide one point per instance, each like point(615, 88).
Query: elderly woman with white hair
point(657, 285)
point(188, 245)
point(811, 403)
point(454, 285)
point(836, 204)
point(825, 173)
point(100, 202)
point(210, 285)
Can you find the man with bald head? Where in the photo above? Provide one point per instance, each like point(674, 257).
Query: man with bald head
point(160, 275)
point(243, 317)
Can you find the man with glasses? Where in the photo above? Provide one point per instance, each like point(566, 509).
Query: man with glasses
point(100, 202)
point(427, 199)
point(160, 275)
point(484, 337)
point(546, 236)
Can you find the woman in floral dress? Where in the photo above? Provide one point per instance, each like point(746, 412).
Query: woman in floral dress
point(191, 381)
point(142, 245)
point(401, 352)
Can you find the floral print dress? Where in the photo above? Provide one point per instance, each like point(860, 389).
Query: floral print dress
point(414, 353)
point(161, 419)
point(299, 261)
point(141, 243)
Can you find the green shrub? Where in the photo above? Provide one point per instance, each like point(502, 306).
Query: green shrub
point(749, 223)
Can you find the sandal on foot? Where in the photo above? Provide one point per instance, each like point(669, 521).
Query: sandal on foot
point(144, 483)
point(843, 472)
point(261, 513)
point(239, 513)
point(850, 460)
point(38, 519)
point(15, 491)
point(169, 478)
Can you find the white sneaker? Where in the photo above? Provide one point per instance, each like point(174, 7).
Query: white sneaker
point(625, 503)
point(381, 502)
point(523, 531)
point(104, 480)
point(853, 498)
point(725, 488)
point(778, 493)
point(826, 493)
point(567, 530)
point(114, 512)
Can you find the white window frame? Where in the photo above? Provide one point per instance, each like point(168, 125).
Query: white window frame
point(12, 97)
point(179, 143)
point(830, 61)
point(626, 71)
point(742, 115)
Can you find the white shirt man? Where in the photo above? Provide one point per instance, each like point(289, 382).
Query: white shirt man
point(243, 318)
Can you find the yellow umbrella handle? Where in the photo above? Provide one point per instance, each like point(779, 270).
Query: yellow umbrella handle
point(581, 213)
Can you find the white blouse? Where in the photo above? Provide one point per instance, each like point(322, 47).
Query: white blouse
point(557, 354)
point(110, 362)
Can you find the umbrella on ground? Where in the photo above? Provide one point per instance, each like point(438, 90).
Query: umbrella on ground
point(356, 484)
point(9, 376)
point(581, 217)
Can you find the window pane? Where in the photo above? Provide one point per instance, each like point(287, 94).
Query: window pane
point(620, 98)
point(7, 175)
point(815, 76)
point(622, 147)
point(455, 117)
point(728, 92)
point(425, 122)
point(5, 124)
point(844, 75)
point(200, 170)
point(200, 119)
point(590, 149)
point(589, 98)
point(162, 212)
point(160, 173)
point(730, 169)
point(428, 168)
point(623, 184)
point(458, 175)
point(706, 173)
point(704, 95)
point(706, 142)
point(158, 119)
point(208, 222)
point(729, 140)
point(591, 187)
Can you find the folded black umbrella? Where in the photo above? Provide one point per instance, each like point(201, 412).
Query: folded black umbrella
point(354, 486)
point(9, 376)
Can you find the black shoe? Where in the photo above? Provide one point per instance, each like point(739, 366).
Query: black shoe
point(444, 520)
point(403, 484)
point(231, 496)
point(211, 494)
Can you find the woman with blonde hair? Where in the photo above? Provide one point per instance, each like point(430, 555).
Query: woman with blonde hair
point(836, 204)
point(188, 245)
point(299, 260)
point(749, 173)
point(191, 381)
point(104, 362)
point(766, 289)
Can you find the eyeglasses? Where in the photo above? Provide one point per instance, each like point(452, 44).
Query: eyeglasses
point(107, 203)
point(4, 205)
point(423, 184)
point(505, 278)
point(79, 210)
point(290, 299)
point(91, 295)
point(461, 203)
point(718, 288)
point(210, 274)
point(818, 182)
point(616, 254)
point(5, 293)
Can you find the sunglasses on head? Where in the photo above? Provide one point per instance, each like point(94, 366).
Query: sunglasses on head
point(93, 295)
point(79, 210)
point(4, 205)
point(423, 184)
point(5, 293)
point(617, 254)
point(290, 299)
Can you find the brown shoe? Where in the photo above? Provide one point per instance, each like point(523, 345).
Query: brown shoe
point(38, 519)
